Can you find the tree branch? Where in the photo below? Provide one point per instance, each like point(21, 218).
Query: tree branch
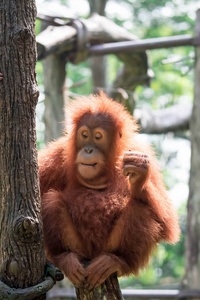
point(109, 289)
point(173, 118)
point(7, 293)
point(71, 40)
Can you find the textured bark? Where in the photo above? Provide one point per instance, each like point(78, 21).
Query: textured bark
point(30, 293)
point(193, 222)
point(108, 290)
point(22, 259)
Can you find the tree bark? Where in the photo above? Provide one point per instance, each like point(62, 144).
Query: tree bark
point(22, 259)
point(193, 222)
point(106, 291)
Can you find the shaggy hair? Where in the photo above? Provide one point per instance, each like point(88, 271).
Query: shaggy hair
point(92, 222)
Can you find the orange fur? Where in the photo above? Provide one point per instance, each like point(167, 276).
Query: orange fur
point(110, 225)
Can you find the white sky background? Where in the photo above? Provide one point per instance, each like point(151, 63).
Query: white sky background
point(78, 8)
point(180, 165)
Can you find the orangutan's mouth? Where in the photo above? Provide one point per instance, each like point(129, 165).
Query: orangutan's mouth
point(89, 165)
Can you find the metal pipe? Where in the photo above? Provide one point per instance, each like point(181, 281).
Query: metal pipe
point(65, 293)
point(139, 45)
point(147, 294)
point(160, 294)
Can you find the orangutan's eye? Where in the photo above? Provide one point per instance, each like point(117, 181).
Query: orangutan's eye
point(85, 134)
point(98, 135)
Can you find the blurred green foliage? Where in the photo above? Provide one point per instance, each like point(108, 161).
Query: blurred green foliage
point(37, 26)
point(78, 73)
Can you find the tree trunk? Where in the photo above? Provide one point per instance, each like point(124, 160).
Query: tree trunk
point(22, 258)
point(108, 290)
point(54, 78)
point(97, 6)
point(193, 222)
point(98, 64)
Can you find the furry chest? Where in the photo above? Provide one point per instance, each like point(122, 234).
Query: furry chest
point(94, 213)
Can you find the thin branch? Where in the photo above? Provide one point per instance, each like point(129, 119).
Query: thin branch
point(7, 293)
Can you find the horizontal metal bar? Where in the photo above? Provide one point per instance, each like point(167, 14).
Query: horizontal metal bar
point(139, 45)
point(132, 293)
point(146, 294)
point(161, 294)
